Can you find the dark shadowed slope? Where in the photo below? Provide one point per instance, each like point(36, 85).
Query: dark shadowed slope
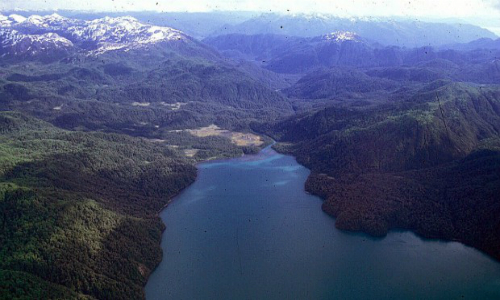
point(430, 163)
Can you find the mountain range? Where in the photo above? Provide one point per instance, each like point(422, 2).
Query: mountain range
point(399, 32)
point(398, 121)
point(42, 35)
point(293, 55)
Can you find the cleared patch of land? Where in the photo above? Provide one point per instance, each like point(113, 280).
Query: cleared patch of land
point(142, 104)
point(174, 106)
point(190, 152)
point(237, 138)
point(156, 140)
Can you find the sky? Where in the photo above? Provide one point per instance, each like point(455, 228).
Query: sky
point(485, 13)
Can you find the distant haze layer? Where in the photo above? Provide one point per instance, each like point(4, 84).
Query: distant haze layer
point(480, 12)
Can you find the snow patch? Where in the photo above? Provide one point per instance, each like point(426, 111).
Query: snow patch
point(341, 36)
point(108, 34)
point(17, 18)
point(16, 42)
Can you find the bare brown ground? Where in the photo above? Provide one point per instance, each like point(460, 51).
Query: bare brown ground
point(237, 138)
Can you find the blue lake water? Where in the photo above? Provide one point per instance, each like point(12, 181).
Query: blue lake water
point(247, 230)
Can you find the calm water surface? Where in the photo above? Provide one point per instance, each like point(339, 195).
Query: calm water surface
point(247, 230)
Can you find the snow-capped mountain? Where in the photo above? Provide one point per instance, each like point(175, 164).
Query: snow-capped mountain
point(121, 33)
point(38, 34)
point(6, 21)
point(51, 23)
point(13, 42)
point(388, 32)
point(341, 36)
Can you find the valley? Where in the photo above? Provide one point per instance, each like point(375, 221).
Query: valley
point(105, 118)
point(237, 138)
point(238, 232)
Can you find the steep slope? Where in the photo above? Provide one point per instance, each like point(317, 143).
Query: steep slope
point(92, 37)
point(78, 210)
point(48, 45)
point(124, 76)
point(428, 163)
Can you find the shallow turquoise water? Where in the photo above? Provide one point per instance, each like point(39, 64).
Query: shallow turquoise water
point(247, 230)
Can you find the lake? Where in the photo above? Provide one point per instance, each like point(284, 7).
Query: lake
point(246, 229)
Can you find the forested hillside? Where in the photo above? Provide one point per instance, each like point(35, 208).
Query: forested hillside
point(79, 210)
point(102, 122)
point(114, 94)
point(349, 50)
point(429, 163)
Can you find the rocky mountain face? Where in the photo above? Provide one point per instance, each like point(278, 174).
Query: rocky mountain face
point(37, 35)
point(385, 31)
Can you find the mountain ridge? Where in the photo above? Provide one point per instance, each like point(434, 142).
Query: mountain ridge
point(377, 167)
point(96, 132)
point(94, 37)
point(409, 33)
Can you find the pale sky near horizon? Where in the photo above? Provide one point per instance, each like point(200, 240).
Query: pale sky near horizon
point(485, 13)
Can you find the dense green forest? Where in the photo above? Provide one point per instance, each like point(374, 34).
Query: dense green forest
point(93, 146)
point(79, 210)
point(429, 162)
point(131, 94)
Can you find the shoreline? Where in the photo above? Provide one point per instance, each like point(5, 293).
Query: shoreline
point(380, 240)
point(391, 227)
point(265, 145)
point(172, 198)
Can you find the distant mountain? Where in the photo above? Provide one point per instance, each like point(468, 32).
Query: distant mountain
point(196, 24)
point(399, 32)
point(284, 54)
point(121, 75)
point(407, 33)
point(37, 35)
point(14, 43)
point(94, 112)
point(258, 47)
point(483, 43)
point(294, 55)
